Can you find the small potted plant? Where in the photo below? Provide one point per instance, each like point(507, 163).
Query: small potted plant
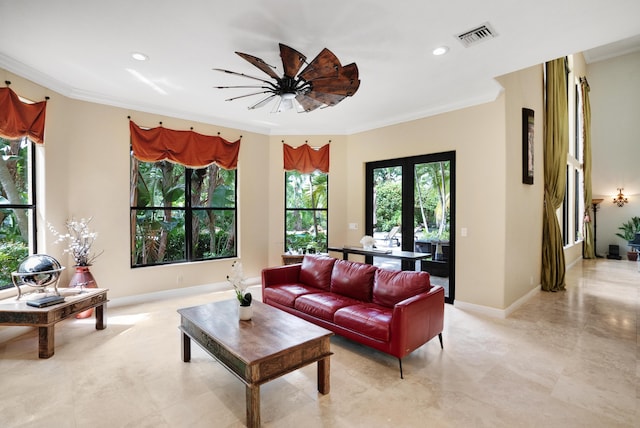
point(240, 286)
point(628, 232)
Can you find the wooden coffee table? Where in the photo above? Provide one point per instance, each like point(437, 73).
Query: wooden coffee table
point(17, 312)
point(268, 346)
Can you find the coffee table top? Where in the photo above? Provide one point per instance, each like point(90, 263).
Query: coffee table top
point(271, 331)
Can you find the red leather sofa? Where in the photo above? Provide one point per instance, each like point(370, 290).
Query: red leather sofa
point(394, 312)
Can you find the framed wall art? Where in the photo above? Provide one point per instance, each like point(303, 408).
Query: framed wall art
point(527, 146)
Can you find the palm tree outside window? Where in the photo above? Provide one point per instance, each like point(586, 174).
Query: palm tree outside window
point(306, 213)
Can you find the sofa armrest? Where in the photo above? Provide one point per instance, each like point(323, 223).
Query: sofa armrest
point(417, 320)
point(288, 274)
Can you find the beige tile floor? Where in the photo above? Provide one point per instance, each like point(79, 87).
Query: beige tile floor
point(567, 359)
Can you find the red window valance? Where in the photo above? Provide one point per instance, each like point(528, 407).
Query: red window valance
point(19, 119)
point(306, 159)
point(184, 147)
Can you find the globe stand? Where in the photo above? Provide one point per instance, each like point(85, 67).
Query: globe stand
point(38, 271)
point(27, 279)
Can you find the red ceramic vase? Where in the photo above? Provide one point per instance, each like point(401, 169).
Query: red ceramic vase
point(83, 278)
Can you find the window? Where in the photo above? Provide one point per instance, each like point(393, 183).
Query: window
point(565, 209)
point(179, 214)
point(573, 204)
point(577, 204)
point(17, 205)
point(306, 211)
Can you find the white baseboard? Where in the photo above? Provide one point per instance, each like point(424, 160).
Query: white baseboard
point(177, 292)
point(497, 313)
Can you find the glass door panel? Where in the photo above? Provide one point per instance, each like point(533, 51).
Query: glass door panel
point(432, 218)
point(387, 206)
point(386, 215)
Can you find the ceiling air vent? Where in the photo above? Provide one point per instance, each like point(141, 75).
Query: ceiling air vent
point(477, 35)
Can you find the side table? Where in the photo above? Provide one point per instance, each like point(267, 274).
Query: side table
point(17, 312)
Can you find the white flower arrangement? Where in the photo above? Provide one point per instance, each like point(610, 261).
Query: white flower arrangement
point(79, 240)
point(239, 285)
point(368, 241)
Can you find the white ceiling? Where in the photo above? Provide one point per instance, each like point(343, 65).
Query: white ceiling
point(81, 48)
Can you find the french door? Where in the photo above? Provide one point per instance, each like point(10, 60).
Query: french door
point(410, 206)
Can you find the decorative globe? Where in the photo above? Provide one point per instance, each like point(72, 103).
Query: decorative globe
point(38, 270)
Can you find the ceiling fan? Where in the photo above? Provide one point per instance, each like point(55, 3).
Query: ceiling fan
point(324, 82)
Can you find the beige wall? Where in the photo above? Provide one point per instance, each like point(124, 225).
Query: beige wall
point(476, 134)
point(523, 202)
point(615, 104)
point(85, 161)
point(86, 164)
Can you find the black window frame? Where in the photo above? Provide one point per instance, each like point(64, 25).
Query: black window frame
point(188, 211)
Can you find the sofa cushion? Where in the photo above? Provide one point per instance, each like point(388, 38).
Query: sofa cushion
point(286, 294)
point(316, 271)
point(322, 305)
point(391, 287)
point(353, 279)
point(368, 319)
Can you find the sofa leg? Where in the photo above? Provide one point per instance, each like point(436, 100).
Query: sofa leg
point(400, 361)
point(440, 337)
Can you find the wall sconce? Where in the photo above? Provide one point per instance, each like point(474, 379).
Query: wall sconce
point(620, 200)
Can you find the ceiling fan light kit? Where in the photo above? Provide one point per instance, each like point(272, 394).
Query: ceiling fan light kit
point(324, 82)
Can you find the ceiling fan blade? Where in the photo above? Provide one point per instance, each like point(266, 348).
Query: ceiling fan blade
point(248, 95)
point(235, 73)
point(325, 64)
point(336, 85)
point(277, 106)
point(260, 64)
point(292, 60)
point(308, 104)
point(243, 87)
point(349, 71)
point(326, 99)
point(263, 102)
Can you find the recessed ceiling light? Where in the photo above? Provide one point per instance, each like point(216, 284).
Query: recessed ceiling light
point(441, 50)
point(139, 56)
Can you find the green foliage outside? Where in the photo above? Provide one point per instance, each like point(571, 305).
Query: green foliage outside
point(306, 211)
point(159, 227)
point(307, 242)
point(431, 196)
point(11, 255)
point(388, 205)
point(15, 223)
point(432, 213)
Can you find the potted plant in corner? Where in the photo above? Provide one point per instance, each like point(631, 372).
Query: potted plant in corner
point(628, 233)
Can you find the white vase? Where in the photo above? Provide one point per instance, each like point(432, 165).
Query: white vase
point(245, 312)
point(368, 247)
